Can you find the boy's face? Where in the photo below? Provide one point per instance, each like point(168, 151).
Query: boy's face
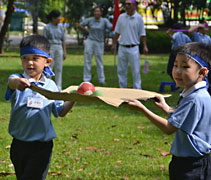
point(186, 72)
point(33, 65)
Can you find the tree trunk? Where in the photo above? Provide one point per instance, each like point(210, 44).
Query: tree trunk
point(4, 29)
point(176, 5)
point(34, 6)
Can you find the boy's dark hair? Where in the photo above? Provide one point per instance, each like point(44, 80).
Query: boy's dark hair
point(53, 14)
point(196, 48)
point(36, 41)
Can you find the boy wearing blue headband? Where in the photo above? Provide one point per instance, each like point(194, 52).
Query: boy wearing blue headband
point(30, 120)
point(191, 119)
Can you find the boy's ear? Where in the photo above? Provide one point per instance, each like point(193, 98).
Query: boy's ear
point(203, 71)
point(48, 61)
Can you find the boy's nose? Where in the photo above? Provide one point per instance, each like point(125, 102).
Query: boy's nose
point(30, 61)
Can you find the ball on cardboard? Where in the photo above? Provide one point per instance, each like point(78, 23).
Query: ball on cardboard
point(97, 93)
point(86, 88)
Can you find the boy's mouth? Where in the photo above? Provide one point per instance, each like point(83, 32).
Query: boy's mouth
point(30, 69)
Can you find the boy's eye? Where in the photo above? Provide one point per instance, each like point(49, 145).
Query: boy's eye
point(35, 58)
point(186, 67)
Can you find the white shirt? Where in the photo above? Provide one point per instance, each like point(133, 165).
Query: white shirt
point(130, 28)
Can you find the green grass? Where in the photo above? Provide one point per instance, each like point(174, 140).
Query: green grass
point(97, 141)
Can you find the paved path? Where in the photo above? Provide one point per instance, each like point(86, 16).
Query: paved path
point(15, 40)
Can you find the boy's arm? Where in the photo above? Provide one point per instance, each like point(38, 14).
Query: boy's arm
point(18, 83)
point(66, 108)
point(194, 28)
point(160, 122)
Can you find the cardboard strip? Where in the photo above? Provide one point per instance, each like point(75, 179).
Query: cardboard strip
point(112, 96)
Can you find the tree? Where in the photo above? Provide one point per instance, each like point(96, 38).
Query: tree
point(4, 29)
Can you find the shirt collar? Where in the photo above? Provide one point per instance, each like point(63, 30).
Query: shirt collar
point(133, 16)
point(193, 88)
point(41, 81)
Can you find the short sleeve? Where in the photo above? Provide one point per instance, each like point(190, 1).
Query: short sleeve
point(185, 117)
point(58, 107)
point(9, 91)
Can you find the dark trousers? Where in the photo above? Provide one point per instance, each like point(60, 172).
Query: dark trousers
point(31, 159)
point(190, 168)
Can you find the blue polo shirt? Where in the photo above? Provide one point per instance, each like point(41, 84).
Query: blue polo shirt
point(203, 38)
point(193, 119)
point(28, 123)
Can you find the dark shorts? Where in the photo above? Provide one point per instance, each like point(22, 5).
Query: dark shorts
point(190, 168)
point(31, 159)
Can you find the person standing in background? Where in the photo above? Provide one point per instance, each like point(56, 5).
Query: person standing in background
point(56, 37)
point(96, 27)
point(130, 29)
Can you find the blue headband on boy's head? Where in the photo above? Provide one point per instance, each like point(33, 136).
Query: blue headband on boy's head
point(199, 60)
point(202, 63)
point(28, 50)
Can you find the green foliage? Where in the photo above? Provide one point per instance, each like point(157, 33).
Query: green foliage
point(97, 141)
point(157, 41)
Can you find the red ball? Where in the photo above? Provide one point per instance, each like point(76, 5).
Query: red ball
point(86, 88)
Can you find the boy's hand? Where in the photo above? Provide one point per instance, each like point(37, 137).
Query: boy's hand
point(19, 83)
point(136, 103)
point(160, 102)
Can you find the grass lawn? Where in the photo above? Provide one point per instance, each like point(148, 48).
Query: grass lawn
point(97, 141)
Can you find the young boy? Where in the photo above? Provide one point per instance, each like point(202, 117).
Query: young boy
point(30, 120)
point(191, 120)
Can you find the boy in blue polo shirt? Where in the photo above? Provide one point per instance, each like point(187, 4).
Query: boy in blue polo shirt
point(30, 120)
point(191, 119)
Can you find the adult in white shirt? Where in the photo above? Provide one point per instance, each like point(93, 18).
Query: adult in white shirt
point(130, 29)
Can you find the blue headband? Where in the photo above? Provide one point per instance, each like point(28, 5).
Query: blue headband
point(199, 60)
point(202, 63)
point(35, 51)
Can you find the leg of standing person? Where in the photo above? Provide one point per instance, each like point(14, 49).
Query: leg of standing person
point(88, 53)
point(57, 55)
point(134, 60)
point(99, 51)
point(122, 66)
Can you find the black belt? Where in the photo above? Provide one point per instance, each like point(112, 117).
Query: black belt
point(129, 46)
